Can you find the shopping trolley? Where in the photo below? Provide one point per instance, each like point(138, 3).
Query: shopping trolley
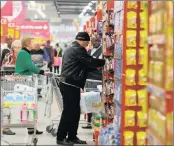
point(15, 91)
point(91, 85)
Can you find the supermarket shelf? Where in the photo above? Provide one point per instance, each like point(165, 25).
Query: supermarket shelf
point(157, 91)
point(134, 108)
point(155, 137)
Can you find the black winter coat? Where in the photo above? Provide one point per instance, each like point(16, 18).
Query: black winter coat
point(76, 65)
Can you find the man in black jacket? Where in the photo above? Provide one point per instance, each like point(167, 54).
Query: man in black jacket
point(76, 65)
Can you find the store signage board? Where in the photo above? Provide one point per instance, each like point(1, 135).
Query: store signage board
point(6, 8)
point(4, 26)
point(11, 29)
point(18, 15)
point(32, 26)
point(36, 6)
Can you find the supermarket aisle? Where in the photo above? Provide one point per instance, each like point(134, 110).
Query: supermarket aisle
point(45, 139)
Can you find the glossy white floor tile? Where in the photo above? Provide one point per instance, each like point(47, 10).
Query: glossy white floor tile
point(45, 139)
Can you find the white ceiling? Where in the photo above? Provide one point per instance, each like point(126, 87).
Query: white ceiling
point(56, 11)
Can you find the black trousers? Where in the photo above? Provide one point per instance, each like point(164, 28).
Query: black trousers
point(56, 69)
point(50, 66)
point(69, 122)
point(89, 117)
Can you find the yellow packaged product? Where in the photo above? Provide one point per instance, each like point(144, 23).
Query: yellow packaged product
point(132, 4)
point(142, 97)
point(151, 71)
point(143, 38)
point(142, 119)
point(142, 77)
point(130, 98)
point(131, 20)
point(130, 77)
point(131, 38)
point(158, 71)
point(129, 118)
point(141, 56)
point(160, 21)
point(128, 138)
point(131, 57)
point(142, 20)
point(141, 138)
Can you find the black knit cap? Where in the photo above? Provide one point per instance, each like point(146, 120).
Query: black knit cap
point(83, 36)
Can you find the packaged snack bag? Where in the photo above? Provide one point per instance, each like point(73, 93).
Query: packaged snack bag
point(130, 98)
point(130, 77)
point(141, 138)
point(131, 57)
point(131, 20)
point(132, 4)
point(129, 118)
point(141, 56)
point(128, 138)
point(131, 38)
point(142, 119)
point(142, 77)
point(142, 97)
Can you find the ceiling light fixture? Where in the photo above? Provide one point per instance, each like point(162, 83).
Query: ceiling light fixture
point(41, 13)
point(32, 2)
point(93, 2)
point(35, 16)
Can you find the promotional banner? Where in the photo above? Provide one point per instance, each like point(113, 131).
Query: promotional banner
point(18, 15)
point(35, 27)
point(6, 8)
point(11, 29)
point(4, 28)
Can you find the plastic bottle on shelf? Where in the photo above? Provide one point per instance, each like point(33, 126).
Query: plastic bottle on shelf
point(24, 113)
point(32, 113)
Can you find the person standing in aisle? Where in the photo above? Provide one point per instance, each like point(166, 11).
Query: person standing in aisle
point(76, 65)
point(10, 59)
point(6, 47)
point(37, 55)
point(95, 52)
point(38, 58)
point(49, 53)
point(59, 53)
point(56, 63)
point(24, 66)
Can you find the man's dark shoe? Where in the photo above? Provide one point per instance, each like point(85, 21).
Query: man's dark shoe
point(65, 142)
point(78, 141)
point(37, 132)
point(8, 132)
point(87, 127)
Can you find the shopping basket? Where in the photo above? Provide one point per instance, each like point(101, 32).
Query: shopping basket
point(15, 91)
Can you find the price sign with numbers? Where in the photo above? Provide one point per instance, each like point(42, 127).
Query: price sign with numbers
point(4, 27)
point(11, 29)
point(11, 32)
point(17, 34)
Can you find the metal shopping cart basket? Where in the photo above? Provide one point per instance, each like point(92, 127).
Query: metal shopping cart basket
point(91, 85)
point(15, 91)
